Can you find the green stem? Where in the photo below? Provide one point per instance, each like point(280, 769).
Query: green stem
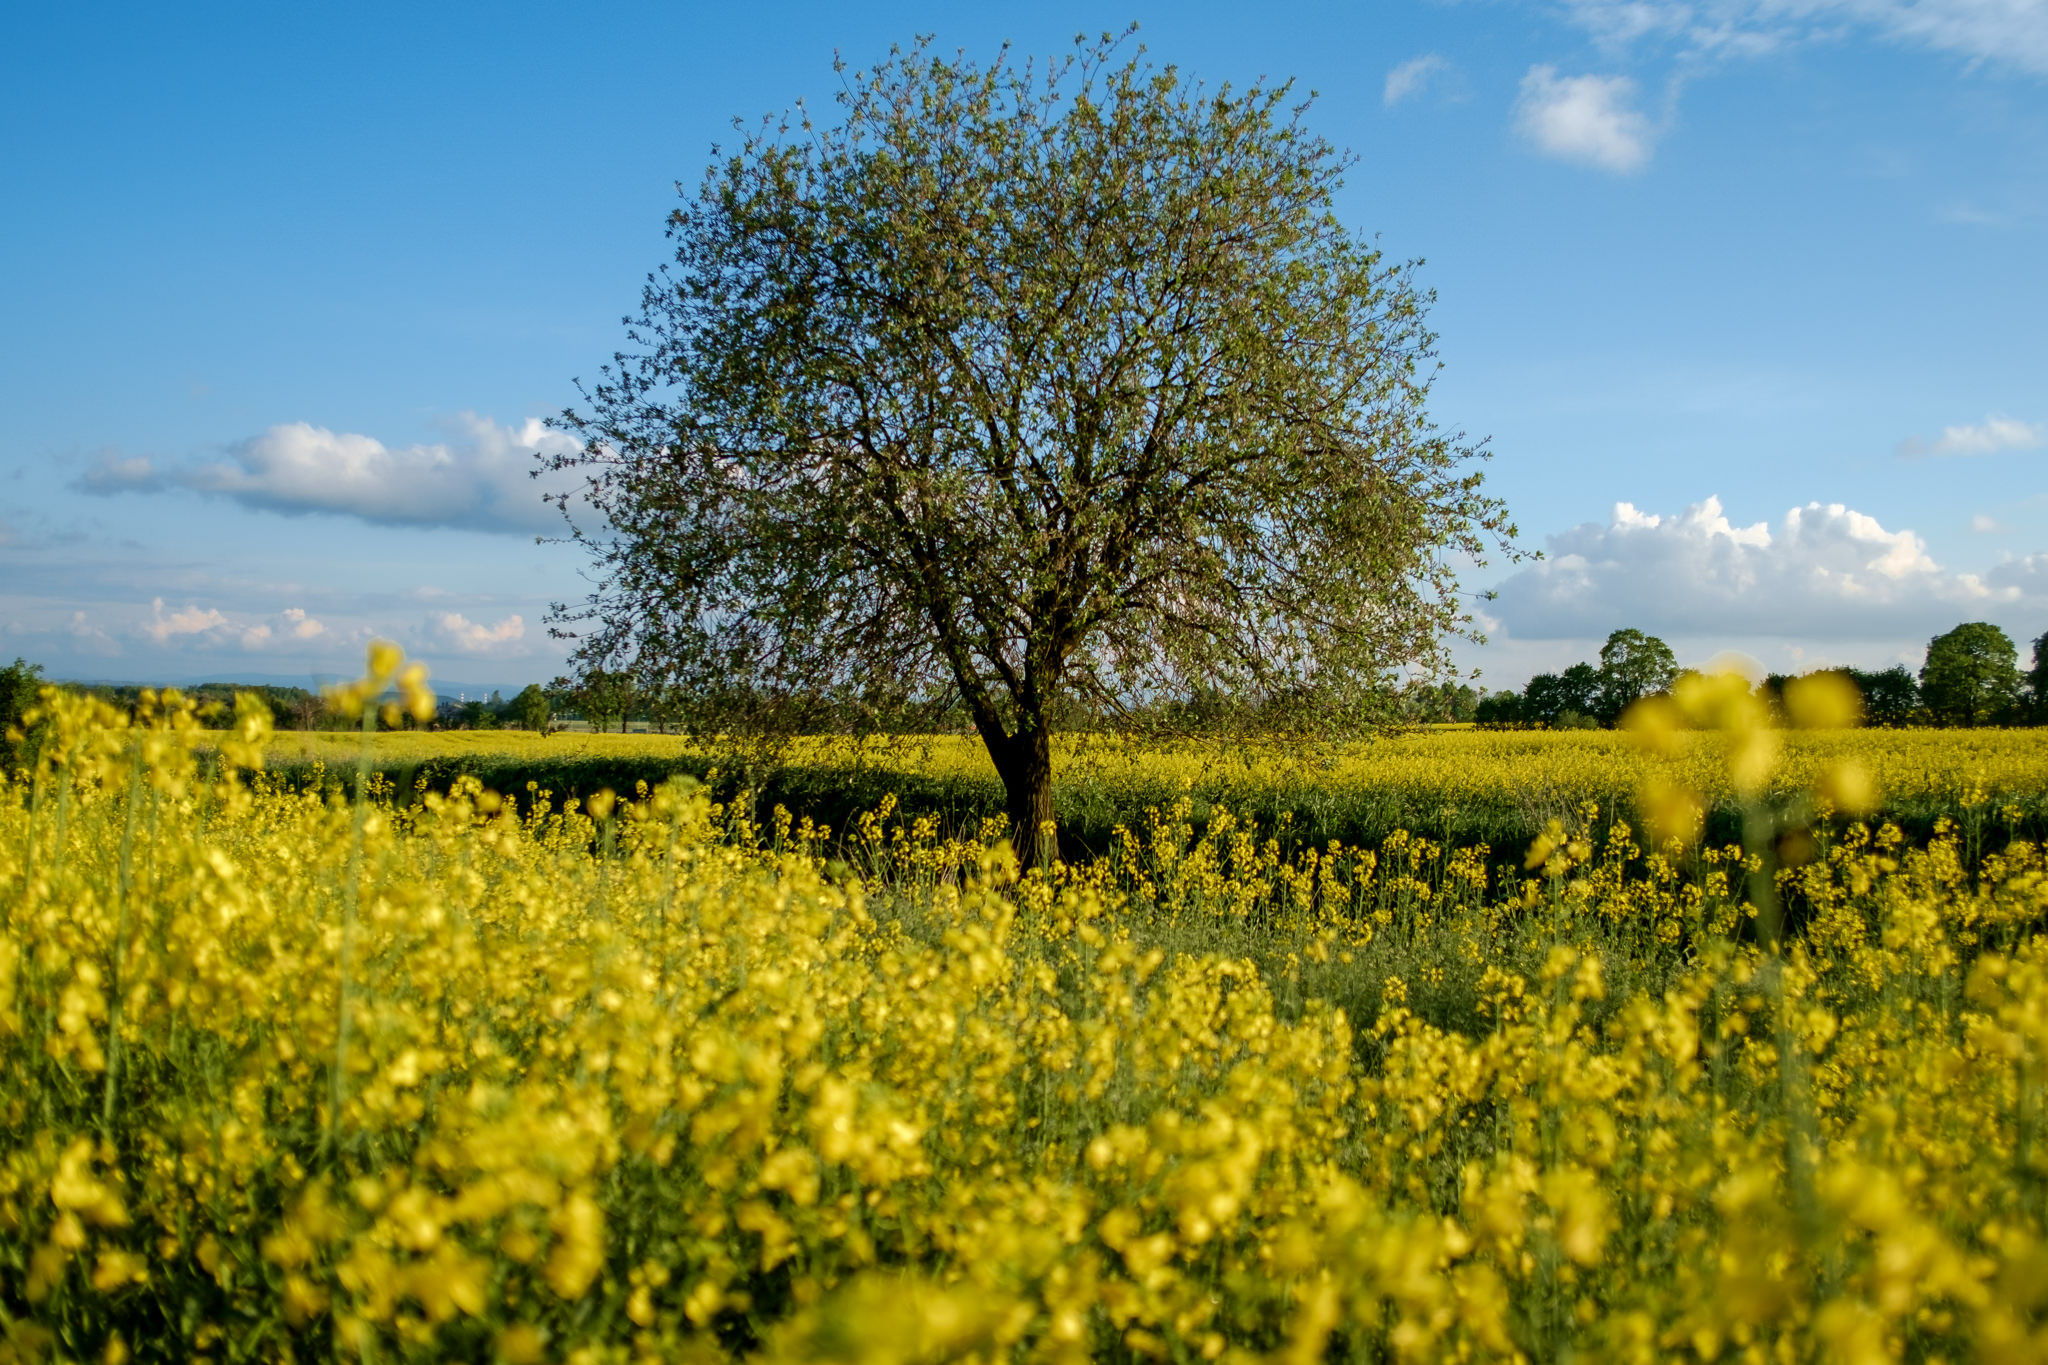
point(120, 945)
point(337, 1091)
point(1801, 1131)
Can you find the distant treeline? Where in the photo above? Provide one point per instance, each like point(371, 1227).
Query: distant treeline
point(291, 708)
point(1971, 676)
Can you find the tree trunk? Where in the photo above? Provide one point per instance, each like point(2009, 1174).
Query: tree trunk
point(1024, 762)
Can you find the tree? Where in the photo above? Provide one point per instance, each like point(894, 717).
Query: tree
point(2037, 682)
point(1439, 702)
point(1568, 699)
point(531, 708)
point(601, 696)
point(1018, 387)
point(1890, 696)
point(1633, 665)
point(1499, 708)
point(21, 682)
point(1971, 676)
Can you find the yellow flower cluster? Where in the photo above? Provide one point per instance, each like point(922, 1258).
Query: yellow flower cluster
point(287, 1076)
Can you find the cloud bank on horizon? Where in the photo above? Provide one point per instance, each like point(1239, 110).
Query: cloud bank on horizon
point(1827, 573)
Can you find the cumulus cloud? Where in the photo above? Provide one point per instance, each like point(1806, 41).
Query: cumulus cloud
point(1827, 572)
point(1590, 120)
point(1410, 77)
point(209, 627)
point(302, 626)
point(479, 480)
point(1993, 434)
point(453, 630)
point(2012, 33)
point(189, 620)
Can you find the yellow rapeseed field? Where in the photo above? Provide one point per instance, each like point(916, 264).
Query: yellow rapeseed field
point(288, 1075)
point(1463, 784)
point(1428, 766)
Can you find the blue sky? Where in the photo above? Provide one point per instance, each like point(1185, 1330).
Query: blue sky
point(1748, 296)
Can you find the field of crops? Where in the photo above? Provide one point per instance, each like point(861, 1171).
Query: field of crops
point(289, 1075)
point(1462, 786)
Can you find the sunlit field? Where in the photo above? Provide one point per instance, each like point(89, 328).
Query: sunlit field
point(289, 1075)
point(1463, 785)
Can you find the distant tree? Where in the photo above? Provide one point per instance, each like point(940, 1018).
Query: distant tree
point(1021, 385)
point(1632, 666)
point(531, 708)
point(1499, 708)
point(1890, 696)
point(1440, 702)
point(1971, 676)
point(601, 696)
point(2037, 682)
point(1570, 699)
point(20, 682)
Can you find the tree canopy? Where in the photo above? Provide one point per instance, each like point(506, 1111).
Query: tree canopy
point(1972, 675)
point(1632, 666)
point(1023, 383)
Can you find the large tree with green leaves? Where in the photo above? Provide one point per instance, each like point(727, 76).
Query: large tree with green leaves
point(1632, 666)
point(1972, 674)
point(1017, 385)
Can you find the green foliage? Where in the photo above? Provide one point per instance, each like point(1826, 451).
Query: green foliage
point(1018, 385)
point(19, 683)
point(1971, 676)
point(1567, 700)
point(605, 697)
point(2037, 682)
point(1632, 666)
point(530, 710)
point(1890, 696)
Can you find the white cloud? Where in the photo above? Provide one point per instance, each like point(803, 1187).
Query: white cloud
point(455, 631)
point(2012, 33)
point(1993, 434)
point(1410, 77)
point(480, 480)
point(209, 627)
point(303, 627)
point(1591, 120)
point(1827, 573)
point(1985, 525)
point(189, 620)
